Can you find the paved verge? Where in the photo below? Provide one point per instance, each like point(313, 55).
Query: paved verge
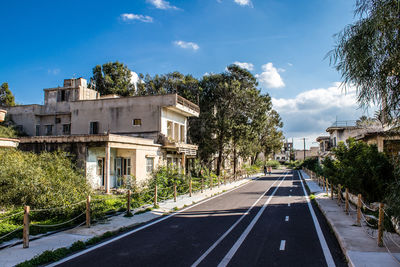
point(359, 248)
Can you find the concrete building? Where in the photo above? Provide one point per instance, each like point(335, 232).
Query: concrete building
point(114, 139)
point(284, 155)
point(309, 153)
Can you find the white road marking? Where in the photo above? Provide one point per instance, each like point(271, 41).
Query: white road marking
point(290, 196)
point(205, 254)
point(144, 226)
point(288, 204)
point(322, 241)
point(282, 246)
point(290, 190)
point(239, 242)
point(287, 219)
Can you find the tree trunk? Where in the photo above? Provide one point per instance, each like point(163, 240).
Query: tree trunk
point(234, 159)
point(220, 151)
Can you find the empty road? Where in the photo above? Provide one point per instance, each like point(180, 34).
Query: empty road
point(267, 222)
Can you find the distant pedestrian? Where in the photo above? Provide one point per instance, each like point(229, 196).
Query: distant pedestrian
point(269, 170)
point(265, 170)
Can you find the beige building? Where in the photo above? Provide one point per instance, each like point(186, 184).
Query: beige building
point(115, 139)
point(309, 153)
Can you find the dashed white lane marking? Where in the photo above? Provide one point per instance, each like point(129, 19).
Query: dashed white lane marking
point(205, 254)
point(243, 236)
point(282, 246)
point(290, 190)
point(290, 196)
point(322, 241)
point(288, 204)
point(287, 219)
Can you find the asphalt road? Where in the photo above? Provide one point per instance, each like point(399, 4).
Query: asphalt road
point(267, 222)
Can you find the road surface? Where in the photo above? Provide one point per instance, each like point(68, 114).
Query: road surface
point(267, 222)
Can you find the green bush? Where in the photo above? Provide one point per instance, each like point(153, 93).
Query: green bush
point(272, 163)
point(8, 132)
point(46, 180)
point(360, 168)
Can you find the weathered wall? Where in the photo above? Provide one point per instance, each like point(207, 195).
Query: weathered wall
point(116, 115)
point(169, 115)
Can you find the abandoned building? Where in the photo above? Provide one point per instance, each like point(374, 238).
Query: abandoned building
point(114, 139)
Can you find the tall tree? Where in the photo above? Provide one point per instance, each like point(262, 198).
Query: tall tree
point(113, 78)
point(6, 97)
point(367, 54)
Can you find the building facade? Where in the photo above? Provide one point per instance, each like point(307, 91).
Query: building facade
point(116, 140)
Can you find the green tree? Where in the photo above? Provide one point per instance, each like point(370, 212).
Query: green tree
point(113, 78)
point(367, 54)
point(6, 97)
point(171, 83)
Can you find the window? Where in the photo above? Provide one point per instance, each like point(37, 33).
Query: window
point(49, 129)
point(66, 128)
point(182, 133)
point(137, 122)
point(169, 130)
point(62, 95)
point(37, 130)
point(94, 127)
point(58, 120)
point(176, 132)
point(126, 166)
point(149, 165)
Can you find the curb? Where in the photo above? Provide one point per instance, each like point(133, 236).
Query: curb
point(341, 241)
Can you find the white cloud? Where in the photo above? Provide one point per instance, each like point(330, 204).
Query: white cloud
point(309, 113)
point(270, 76)
point(132, 17)
point(187, 45)
point(244, 65)
point(161, 4)
point(290, 64)
point(53, 71)
point(244, 2)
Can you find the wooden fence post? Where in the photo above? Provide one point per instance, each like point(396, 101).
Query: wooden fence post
point(202, 184)
point(190, 187)
point(175, 192)
point(347, 201)
point(155, 195)
point(339, 194)
point(88, 211)
point(380, 225)
point(26, 227)
point(359, 210)
point(128, 202)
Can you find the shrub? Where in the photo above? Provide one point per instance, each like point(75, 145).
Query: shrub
point(7, 132)
point(41, 181)
point(272, 163)
point(361, 168)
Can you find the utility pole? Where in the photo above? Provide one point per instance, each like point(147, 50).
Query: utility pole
point(304, 142)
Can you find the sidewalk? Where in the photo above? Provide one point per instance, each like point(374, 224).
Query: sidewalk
point(360, 249)
point(14, 255)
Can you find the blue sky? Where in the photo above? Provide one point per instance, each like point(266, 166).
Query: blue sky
point(282, 42)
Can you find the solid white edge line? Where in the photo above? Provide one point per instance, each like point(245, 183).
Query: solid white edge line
point(243, 236)
point(287, 219)
point(208, 251)
point(146, 225)
point(325, 249)
point(282, 246)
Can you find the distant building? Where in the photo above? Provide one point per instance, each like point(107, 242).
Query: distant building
point(114, 139)
point(284, 155)
point(7, 142)
point(309, 153)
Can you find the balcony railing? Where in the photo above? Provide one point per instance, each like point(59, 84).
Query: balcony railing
point(187, 103)
point(344, 124)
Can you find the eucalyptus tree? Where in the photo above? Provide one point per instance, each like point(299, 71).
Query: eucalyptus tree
point(113, 78)
point(367, 54)
point(6, 97)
